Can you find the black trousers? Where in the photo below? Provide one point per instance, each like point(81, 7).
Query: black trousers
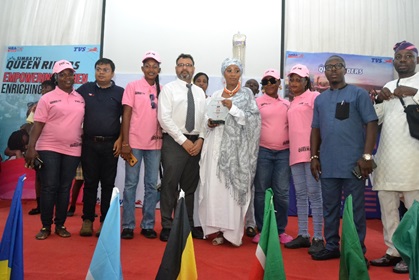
point(180, 170)
point(99, 165)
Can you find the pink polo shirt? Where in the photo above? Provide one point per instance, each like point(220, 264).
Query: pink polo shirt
point(63, 115)
point(274, 132)
point(300, 116)
point(145, 130)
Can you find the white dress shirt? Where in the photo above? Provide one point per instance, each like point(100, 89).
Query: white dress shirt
point(172, 107)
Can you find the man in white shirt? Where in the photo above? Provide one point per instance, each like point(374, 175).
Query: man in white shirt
point(396, 177)
point(181, 118)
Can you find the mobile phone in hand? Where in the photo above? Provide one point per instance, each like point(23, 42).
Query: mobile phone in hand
point(37, 163)
point(357, 171)
point(132, 160)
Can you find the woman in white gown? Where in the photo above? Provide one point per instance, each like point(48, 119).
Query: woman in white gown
point(228, 159)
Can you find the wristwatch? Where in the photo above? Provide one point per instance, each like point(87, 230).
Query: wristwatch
point(367, 157)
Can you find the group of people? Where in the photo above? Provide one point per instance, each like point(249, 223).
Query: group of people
point(226, 165)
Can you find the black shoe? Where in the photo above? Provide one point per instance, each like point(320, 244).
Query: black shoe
point(326, 255)
point(316, 246)
point(386, 260)
point(127, 233)
point(62, 231)
point(197, 233)
point(164, 234)
point(43, 233)
point(401, 267)
point(251, 232)
point(71, 210)
point(149, 233)
point(35, 211)
point(298, 242)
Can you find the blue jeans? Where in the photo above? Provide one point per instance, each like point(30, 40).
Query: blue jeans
point(307, 189)
point(151, 196)
point(273, 171)
point(332, 200)
point(57, 174)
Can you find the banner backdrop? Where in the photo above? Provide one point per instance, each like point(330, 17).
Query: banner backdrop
point(25, 68)
point(368, 72)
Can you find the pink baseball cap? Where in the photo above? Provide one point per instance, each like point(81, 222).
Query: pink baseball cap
point(271, 73)
point(300, 70)
point(151, 54)
point(61, 65)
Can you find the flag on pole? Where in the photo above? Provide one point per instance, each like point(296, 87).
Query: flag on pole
point(352, 260)
point(178, 260)
point(268, 264)
point(11, 245)
point(106, 261)
point(406, 240)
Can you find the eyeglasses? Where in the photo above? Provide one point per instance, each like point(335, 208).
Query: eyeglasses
point(104, 70)
point(153, 104)
point(336, 66)
point(295, 80)
point(187, 65)
point(270, 81)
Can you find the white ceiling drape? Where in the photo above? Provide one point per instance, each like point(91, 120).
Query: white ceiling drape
point(368, 27)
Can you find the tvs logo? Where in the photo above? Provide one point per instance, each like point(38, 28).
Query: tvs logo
point(381, 60)
point(85, 49)
point(79, 49)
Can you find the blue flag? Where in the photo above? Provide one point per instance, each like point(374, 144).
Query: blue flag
point(106, 261)
point(11, 246)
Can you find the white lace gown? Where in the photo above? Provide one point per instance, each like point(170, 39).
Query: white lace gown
point(218, 211)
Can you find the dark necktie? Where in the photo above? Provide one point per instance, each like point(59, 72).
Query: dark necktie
point(190, 113)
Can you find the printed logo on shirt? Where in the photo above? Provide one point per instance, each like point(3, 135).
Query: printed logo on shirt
point(79, 101)
point(304, 149)
point(91, 94)
point(54, 101)
point(75, 145)
point(264, 104)
point(286, 142)
point(139, 92)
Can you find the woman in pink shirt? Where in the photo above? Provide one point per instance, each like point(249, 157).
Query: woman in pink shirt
point(300, 116)
point(273, 170)
point(142, 137)
point(55, 141)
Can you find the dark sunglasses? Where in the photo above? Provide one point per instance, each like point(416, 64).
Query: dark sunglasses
point(271, 81)
point(153, 104)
